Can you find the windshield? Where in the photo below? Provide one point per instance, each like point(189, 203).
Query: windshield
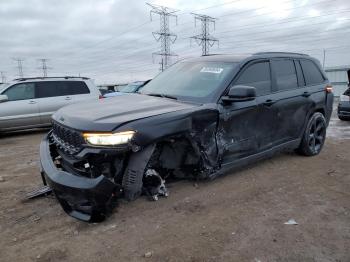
point(193, 81)
point(130, 88)
point(3, 86)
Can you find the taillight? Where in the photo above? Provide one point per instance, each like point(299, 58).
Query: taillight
point(329, 89)
point(100, 97)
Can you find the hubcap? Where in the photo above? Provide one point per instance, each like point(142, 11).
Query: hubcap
point(317, 135)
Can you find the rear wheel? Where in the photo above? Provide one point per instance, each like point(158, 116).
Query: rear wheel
point(314, 135)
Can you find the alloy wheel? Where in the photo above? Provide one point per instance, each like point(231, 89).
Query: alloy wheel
point(317, 135)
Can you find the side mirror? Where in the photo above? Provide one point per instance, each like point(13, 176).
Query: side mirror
point(240, 93)
point(3, 98)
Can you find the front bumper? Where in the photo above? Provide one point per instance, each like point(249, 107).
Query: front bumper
point(344, 109)
point(87, 199)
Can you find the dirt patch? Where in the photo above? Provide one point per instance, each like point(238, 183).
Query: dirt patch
point(238, 217)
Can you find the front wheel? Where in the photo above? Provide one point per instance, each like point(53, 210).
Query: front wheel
point(314, 136)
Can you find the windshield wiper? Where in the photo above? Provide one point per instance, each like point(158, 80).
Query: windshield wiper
point(162, 95)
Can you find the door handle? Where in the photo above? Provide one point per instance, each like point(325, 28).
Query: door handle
point(68, 98)
point(32, 102)
point(269, 102)
point(306, 94)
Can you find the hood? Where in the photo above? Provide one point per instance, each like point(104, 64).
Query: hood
point(109, 114)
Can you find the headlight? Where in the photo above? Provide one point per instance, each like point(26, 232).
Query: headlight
point(344, 98)
point(108, 139)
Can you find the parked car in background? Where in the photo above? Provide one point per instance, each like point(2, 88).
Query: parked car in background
point(344, 106)
point(30, 102)
point(104, 91)
point(129, 88)
point(197, 120)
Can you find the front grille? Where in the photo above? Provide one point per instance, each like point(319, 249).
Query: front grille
point(68, 139)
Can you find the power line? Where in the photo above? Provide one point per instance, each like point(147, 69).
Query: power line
point(296, 36)
point(233, 15)
point(164, 36)
point(279, 23)
point(240, 27)
point(205, 39)
point(19, 66)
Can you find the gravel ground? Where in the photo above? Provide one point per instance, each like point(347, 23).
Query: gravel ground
point(238, 217)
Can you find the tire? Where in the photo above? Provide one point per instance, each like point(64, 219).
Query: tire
point(314, 136)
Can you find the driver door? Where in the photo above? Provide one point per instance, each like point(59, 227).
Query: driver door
point(247, 128)
point(21, 109)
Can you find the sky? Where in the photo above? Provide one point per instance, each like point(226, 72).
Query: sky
point(111, 41)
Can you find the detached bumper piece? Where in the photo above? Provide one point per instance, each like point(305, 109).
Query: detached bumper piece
point(87, 199)
point(42, 191)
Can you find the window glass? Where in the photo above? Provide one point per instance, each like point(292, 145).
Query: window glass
point(285, 74)
point(75, 88)
point(49, 89)
point(61, 88)
point(195, 81)
point(20, 92)
point(347, 92)
point(131, 88)
point(258, 76)
point(311, 73)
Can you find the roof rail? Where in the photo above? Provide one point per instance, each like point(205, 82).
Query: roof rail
point(279, 53)
point(52, 77)
point(212, 54)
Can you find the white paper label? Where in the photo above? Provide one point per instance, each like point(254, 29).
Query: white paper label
point(213, 70)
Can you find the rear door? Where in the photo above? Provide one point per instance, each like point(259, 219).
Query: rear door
point(54, 95)
point(292, 99)
point(21, 110)
point(51, 97)
point(77, 91)
point(316, 84)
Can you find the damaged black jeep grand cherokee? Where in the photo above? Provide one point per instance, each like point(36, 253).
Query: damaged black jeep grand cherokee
point(198, 119)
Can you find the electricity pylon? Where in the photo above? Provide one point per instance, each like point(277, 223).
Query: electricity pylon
point(164, 36)
point(205, 39)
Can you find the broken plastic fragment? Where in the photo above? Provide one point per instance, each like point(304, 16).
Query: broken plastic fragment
point(291, 222)
point(154, 185)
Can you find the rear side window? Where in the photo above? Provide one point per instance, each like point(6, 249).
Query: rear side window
point(286, 76)
point(20, 92)
point(48, 89)
point(60, 88)
point(312, 74)
point(76, 88)
point(258, 76)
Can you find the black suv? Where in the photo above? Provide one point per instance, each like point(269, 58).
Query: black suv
point(197, 120)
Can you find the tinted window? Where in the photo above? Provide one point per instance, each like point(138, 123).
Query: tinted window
point(301, 80)
point(347, 92)
point(311, 73)
point(49, 89)
point(20, 92)
point(61, 88)
point(258, 76)
point(285, 74)
point(75, 88)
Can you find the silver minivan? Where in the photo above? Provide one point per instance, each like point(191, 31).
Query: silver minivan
point(30, 102)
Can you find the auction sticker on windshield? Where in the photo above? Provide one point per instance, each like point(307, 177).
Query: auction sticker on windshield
point(213, 70)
